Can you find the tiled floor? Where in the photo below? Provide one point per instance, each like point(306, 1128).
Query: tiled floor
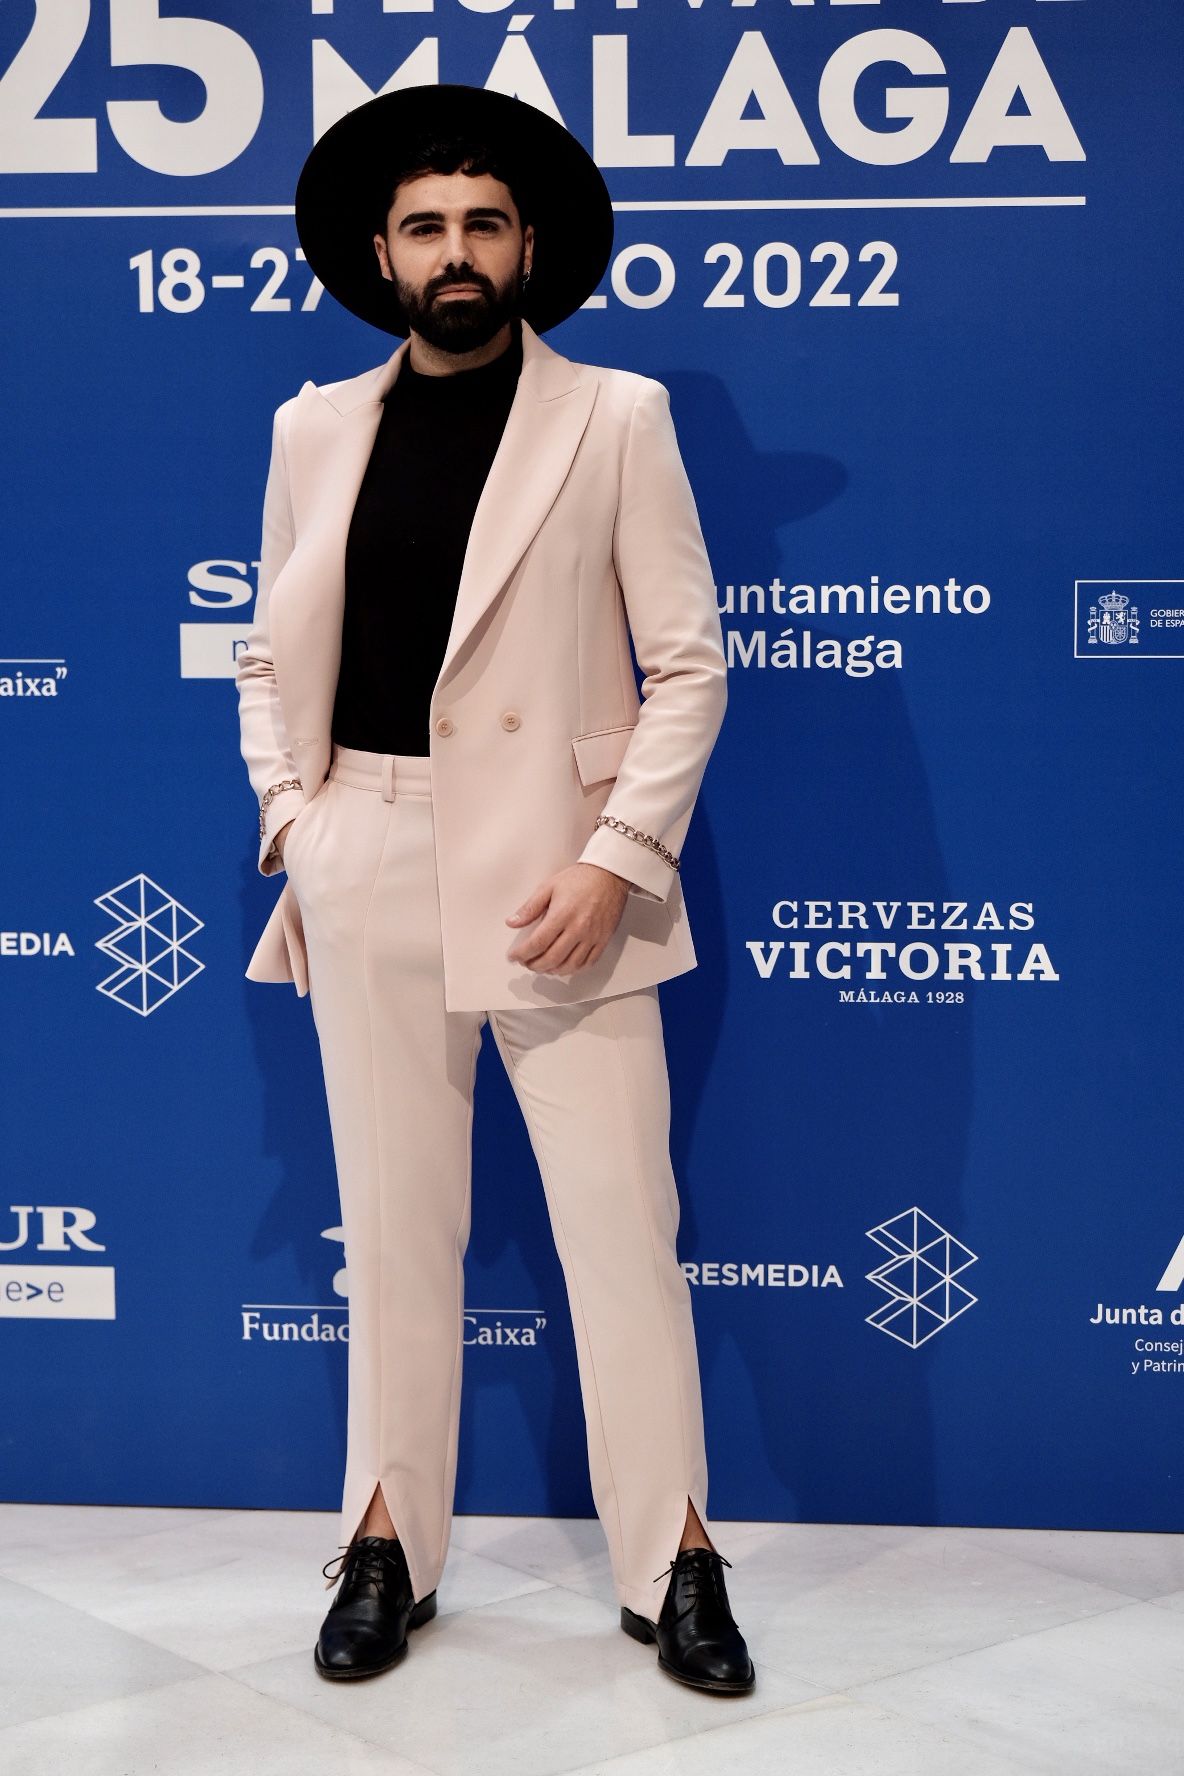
point(179, 1643)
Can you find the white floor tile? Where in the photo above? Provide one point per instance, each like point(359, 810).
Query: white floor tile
point(34, 1529)
point(53, 1657)
point(195, 1728)
point(141, 1641)
point(1136, 1564)
point(1101, 1697)
point(555, 1549)
point(228, 1594)
point(834, 1736)
point(839, 1607)
point(531, 1687)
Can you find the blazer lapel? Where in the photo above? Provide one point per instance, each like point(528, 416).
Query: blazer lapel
point(548, 416)
point(327, 460)
point(547, 419)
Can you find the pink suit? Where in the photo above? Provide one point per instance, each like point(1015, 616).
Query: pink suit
point(402, 870)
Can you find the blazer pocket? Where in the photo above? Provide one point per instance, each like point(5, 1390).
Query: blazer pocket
point(599, 755)
point(300, 818)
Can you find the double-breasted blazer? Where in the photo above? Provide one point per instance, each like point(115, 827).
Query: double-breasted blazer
point(585, 539)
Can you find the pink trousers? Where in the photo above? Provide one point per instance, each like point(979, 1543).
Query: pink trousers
point(592, 1084)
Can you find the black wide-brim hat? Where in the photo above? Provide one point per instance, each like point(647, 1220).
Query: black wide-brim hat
point(345, 185)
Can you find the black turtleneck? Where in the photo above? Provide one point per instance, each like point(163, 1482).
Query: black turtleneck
point(436, 439)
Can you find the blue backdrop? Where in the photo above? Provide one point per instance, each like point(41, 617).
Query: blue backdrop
point(911, 275)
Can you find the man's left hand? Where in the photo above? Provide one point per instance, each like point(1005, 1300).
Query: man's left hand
point(581, 907)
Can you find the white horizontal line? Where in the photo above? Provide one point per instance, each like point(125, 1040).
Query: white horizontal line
point(675, 203)
point(850, 203)
point(152, 210)
point(343, 1307)
point(301, 1306)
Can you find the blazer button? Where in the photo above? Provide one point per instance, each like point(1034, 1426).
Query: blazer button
point(445, 724)
point(511, 719)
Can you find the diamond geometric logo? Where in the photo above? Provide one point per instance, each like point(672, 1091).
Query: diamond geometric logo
point(151, 930)
point(918, 1278)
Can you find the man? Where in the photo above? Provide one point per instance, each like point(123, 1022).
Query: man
point(480, 824)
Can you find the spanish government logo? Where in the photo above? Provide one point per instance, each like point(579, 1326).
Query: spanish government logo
point(148, 943)
point(1128, 619)
point(1113, 622)
point(918, 1277)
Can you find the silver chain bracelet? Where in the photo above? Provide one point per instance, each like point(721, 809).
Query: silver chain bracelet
point(631, 832)
point(275, 790)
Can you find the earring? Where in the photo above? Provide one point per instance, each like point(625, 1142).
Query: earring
point(525, 279)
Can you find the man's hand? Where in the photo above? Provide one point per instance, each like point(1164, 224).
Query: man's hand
point(582, 907)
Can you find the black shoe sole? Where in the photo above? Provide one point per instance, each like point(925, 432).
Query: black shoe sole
point(423, 1612)
point(642, 1629)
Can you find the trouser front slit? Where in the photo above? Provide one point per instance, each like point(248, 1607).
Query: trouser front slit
point(400, 1070)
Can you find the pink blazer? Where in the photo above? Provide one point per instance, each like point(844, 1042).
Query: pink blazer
point(586, 533)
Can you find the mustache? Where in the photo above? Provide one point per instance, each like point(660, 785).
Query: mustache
point(453, 283)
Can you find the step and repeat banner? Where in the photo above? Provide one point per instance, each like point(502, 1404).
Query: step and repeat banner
point(910, 271)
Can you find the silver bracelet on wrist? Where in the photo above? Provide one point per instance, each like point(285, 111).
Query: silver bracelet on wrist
point(631, 832)
point(275, 790)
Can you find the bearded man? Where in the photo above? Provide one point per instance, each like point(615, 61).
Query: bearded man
point(480, 819)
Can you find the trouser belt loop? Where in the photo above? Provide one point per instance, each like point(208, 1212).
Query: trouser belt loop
point(388, 776)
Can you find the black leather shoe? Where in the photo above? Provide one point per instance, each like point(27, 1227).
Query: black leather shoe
point(698, 1642)
point(365, 1630)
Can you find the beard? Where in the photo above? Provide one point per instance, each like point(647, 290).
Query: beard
point(462, 323)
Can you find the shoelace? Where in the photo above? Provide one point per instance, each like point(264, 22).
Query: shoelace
point(705, 1574)
point(368, 1563)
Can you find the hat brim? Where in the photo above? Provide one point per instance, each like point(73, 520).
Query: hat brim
point(344, 183)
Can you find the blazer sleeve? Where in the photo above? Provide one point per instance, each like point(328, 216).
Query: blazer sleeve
point(670, 600)
point(263, 740)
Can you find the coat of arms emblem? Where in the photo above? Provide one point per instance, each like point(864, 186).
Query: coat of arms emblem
point(1113, 621)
